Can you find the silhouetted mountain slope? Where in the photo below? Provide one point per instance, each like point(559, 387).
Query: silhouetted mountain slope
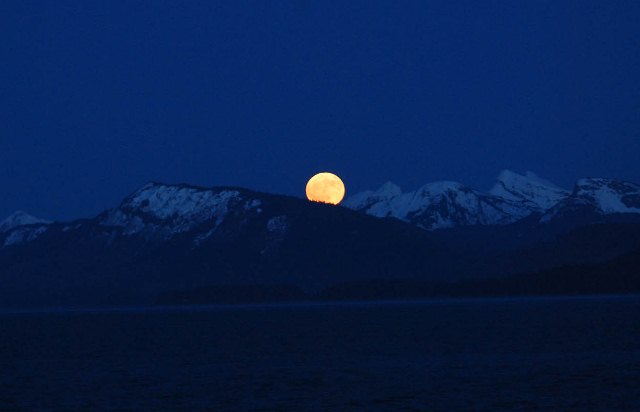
point(163, 240)
point(617, 276)
point(498, 253)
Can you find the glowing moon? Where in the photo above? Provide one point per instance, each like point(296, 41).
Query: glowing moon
point(325, 187)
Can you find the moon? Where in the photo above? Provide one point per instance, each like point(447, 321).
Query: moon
point(325, 187)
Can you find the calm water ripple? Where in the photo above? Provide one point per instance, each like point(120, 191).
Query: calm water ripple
point(569, 354)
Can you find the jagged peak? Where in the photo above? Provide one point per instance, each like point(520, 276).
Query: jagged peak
point(528, 188)
point(163, 200)
point(509, 178)
point(389, 189)
point(159, 209)
point(435, 188)
point(156, 189)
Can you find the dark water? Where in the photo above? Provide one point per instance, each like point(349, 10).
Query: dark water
point(577, 354)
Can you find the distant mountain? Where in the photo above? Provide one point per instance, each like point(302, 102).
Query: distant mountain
point(161, 212)
point(593, 197)
point(538, 194)
point(170, 243)
point(439, 205)
point(172, 237)
point(514, 197)
point(20, 218)
point(26, 227)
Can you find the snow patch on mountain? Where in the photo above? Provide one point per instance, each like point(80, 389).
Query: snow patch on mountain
point(67, 228)
point(21, 227)
point(528, 188)
point(277, 224)
point(610, 196)
point(18, 219)
point(364, 200)
point(600, 196)
point(449, 204)
point(413, 203)
point(513, 197)
point(163, 201)
point(23, 235)
point(204, 236)
point(439, 205)
point(168, 210)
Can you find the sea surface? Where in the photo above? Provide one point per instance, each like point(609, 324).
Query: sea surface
point(528, 354)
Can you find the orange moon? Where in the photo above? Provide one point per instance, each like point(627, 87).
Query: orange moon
point(325, 187)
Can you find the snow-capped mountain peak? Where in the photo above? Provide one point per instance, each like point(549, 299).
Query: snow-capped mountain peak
point(20, 218)
point(389, 189)
point(528, 188)
point(164, 201)
point(598, 196)
point(514, 197)
point(21, 228)
point(438, 205)
point(610, 196)
point(158, 209)
point(439, 188)
point(363, 200)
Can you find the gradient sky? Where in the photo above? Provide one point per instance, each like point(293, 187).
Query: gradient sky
point(97, 98)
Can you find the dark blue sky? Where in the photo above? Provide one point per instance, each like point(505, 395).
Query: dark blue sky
point(96, 98)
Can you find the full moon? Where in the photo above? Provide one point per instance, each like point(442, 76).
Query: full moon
point(325, 187)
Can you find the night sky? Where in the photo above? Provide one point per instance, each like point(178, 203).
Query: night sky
point(97, 98)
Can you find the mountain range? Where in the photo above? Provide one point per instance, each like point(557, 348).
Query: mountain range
point(514, 197)
point(183, 243)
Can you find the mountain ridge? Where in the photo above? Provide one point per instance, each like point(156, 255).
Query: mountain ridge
point(165, 238)
point(448, 204)
point(444, 205)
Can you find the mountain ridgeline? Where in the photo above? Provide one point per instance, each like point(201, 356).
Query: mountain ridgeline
point(174, 244)
point(514, 197)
